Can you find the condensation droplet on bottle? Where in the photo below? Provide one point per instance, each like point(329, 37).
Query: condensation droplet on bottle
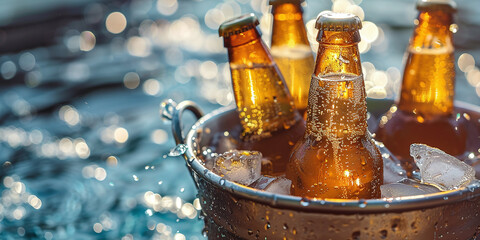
point(453, 28)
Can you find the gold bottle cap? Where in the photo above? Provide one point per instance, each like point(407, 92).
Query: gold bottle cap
point(446, 5)
point(275, 2)
point(340, 22)
point(238, 25)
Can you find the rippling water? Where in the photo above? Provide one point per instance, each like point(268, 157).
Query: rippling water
point(82, 146)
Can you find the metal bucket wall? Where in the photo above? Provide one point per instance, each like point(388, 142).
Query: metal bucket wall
point(233, 211)
point(228, 216)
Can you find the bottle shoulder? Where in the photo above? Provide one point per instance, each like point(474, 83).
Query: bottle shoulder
point(311, 147)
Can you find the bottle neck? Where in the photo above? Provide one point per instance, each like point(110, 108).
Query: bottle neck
point(337, 107)
point(429, 76)
point(288, 26)
point(432, 30)
point(263, 101)
point(247, 49)
point(338, 53)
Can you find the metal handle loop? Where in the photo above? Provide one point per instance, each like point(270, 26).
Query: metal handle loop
point(176, 118)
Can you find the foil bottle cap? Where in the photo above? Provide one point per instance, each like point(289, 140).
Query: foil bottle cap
point(238, 25)
point(340, 22)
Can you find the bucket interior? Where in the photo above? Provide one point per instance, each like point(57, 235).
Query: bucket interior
point(234, 211)
point(225, 121)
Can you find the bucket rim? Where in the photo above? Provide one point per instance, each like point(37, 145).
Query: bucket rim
point(360, 206)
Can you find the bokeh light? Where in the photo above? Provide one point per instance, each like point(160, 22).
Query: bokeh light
point(116, 22)
point(131, 80)
point(167, 7)
point(69, 114)
point(8, 70)
point(152, 87)
point(27, 61)
point(87, 41)
point(466, 62)
point(138, 46)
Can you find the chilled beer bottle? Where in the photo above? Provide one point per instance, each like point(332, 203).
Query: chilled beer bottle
point(291, 49)
point(336, 158)
point(264, 104)
point(424, 111)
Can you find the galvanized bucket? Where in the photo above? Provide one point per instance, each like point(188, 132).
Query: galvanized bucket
point(233, 211)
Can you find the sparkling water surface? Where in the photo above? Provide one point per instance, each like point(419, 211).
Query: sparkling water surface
point(83, 149)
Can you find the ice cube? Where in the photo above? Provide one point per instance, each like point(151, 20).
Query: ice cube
point(280, 185)
point(262, 182)
point(406, 187)
point(440, 169)
point(240, 166)
point(392, 169)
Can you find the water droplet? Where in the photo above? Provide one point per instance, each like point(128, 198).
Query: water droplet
point(222, 182)
point(356, 235)
point(395, 226)
point(267, 226)
point(250, 232)
point(178, 150)
point(304, 202)
point(414, 225)
point(205, 232)
point(167, 109)
point(383, 234)
point(362, 203)
point(453, 28)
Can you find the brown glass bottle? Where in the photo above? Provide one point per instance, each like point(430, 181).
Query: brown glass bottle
point(291, 49)
point(270, 122)
point(336, 158)
point(424, 111)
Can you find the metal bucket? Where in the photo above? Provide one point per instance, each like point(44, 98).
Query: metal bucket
point(233, 211)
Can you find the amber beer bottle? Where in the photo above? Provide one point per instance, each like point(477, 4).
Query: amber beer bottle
point(337, 157)
point(291, 50)
point(424, 111)
point(264, 104)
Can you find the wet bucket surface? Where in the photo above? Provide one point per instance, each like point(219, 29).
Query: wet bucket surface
point(233, 211)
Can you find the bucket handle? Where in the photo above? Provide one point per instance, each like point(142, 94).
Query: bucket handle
point(172, 111)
